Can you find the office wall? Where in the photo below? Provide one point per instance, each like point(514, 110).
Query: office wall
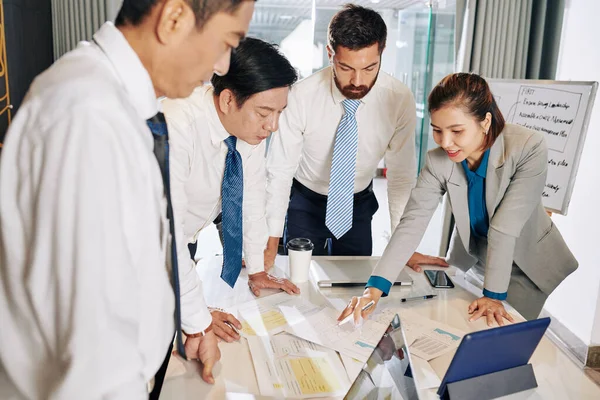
point(28, 28)
point(112, 8)
point(576, 303)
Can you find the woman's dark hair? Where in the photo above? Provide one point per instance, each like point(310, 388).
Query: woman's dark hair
point(356, 27)
point(134, 11)
point(256, 66)
point(472, 93)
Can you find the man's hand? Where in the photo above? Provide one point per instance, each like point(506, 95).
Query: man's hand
point(419, 259)
point(223, 325)
point(204, 348)
point(492, 309)
point(262, 280)
point(271, 252)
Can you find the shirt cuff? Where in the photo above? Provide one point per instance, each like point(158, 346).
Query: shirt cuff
point(275, 227)
point(380, 283)
point(195, 316)
point(255, 262)
point(494, 295)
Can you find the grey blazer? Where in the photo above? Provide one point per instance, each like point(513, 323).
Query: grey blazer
point(520, 230)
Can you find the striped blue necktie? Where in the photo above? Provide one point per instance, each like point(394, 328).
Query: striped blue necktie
point(340, 199)
point(232, 199)
point(158, 127)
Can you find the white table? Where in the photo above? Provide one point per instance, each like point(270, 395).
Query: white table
point(558, 377)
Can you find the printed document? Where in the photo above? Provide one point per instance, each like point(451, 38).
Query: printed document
point(270, 315)
point(429, 339)
point(356, 342)
point(291, 367)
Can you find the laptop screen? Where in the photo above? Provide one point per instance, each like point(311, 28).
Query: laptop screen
point(387, 373)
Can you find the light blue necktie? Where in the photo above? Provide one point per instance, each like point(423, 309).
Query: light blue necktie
point(340, 199)
point(232, 199)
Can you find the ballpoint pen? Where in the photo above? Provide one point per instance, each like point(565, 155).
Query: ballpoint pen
point(365, 308)
point(429, 296)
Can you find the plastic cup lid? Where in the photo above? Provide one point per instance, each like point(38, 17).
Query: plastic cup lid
point(300, 244)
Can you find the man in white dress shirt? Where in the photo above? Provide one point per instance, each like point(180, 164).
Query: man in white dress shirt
point(86, 302)
point(236, 115)
point(339, 124)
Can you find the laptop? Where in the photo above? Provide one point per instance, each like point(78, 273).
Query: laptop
point(345, 271)
point(493, 350)
point(387, 373)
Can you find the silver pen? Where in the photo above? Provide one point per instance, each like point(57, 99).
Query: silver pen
point(365, 308)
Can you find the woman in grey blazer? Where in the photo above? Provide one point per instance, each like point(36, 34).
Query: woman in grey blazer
point(494, 174)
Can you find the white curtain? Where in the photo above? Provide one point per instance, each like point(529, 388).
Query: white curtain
point(508, 38)
point(77, 20)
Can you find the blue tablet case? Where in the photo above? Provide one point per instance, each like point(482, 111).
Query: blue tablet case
point(497, 349)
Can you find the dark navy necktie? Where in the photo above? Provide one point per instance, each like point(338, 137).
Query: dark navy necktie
point(158, 126)
point(232, 198)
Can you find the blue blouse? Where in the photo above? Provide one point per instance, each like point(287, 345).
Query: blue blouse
point(478, 214)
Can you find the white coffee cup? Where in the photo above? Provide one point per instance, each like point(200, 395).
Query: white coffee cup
point(300, 254)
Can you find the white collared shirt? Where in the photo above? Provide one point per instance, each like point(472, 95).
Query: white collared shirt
point(86, 304)
point(303, 146)
point(198, 153)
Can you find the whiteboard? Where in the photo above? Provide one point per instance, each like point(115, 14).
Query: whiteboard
point(561, 111)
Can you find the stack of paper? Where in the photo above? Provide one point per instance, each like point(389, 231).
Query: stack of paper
point(294, 345)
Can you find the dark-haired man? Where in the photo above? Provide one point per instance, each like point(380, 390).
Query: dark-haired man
point(86, 300)
point(340, 123)
point(218, 163)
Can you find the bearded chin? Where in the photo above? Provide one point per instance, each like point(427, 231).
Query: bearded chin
point(350, 91)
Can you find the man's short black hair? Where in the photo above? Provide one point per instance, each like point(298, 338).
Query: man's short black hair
point(256, 66)
point(356, 27)
point(134, 11)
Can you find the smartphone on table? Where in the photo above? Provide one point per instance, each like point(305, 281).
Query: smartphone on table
point(438, 279)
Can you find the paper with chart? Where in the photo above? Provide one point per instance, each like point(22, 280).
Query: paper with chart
point(429, 339)
point(290, 367)
point(359, 343)
point(271, 314)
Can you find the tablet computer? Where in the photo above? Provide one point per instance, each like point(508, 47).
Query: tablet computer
point(493, 350)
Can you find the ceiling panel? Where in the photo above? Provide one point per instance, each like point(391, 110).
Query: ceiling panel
point(273, 20)
point(397, 4)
